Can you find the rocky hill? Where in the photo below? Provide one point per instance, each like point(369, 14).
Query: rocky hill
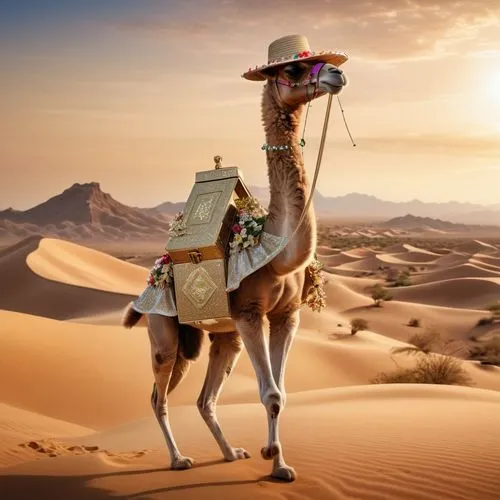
point(414, 223)
point(80, 212)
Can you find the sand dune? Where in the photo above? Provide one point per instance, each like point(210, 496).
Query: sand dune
point(324, 251)
point(461, 271)
point(477, 246)
point(452, 259)
point(337, 260)
point(24, 291)
point(469, 293)
point(404, 260)
point(412, 256)
point(360, 253)
point(20, 426)
point(347, 439)
point(487, 259)
point(368, 264)
point(65, 262)
point(388, 442)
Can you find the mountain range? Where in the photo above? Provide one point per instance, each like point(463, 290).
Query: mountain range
point(84, 211)
point(363, 206)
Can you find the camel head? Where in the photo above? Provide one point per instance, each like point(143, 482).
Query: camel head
point(299, 82)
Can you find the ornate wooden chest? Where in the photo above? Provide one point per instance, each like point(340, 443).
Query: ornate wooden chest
point(199, 255)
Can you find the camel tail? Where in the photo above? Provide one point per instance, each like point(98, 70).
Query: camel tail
point(190, 342)
point(131, 317)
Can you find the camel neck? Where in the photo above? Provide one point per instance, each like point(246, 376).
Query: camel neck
point(289, 185)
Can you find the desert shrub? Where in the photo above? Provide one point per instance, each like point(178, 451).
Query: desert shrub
point(432, 341)
point(379, 294)
point(414, 322)
point(495, 310)
point(488, 352)
point(431, 369)
point(403, 279)
point(358, 324)
point(485, 321)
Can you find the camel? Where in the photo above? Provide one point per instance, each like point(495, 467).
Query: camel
point(274, 291)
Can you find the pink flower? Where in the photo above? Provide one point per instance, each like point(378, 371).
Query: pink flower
point(236, 229)
point(151, 281)
point(165, 259)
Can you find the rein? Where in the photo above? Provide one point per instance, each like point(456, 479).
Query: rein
point(313, 79)
point(318, 165)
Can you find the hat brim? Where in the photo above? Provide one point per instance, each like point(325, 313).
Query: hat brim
point(258, 74)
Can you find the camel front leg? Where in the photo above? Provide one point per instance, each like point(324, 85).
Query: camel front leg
point(164, 337)
point(224, 353)
point(282, 332)
point(251, 330)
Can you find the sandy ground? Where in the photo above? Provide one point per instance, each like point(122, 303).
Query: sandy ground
point(75, 420)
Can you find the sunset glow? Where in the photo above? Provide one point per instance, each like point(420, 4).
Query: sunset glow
point(122, 93)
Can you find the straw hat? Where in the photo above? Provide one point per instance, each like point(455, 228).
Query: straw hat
point(293, 48)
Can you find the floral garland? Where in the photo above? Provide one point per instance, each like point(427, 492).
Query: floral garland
point(249, 226)
point(162, 273)
point(316, 295)
point(177, 226)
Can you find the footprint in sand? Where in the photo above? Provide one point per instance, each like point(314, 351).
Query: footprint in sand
point(54, 449)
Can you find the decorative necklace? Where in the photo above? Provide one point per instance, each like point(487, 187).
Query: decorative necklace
point(283, 147)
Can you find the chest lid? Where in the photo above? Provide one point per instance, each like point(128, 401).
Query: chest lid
point(209, 212)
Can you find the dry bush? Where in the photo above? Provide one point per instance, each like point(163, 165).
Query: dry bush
point(358, 324)
point(488, 352)
point(379, 294)
point(495, 311)
point(430, 369)
point(414, 322)
point(403, 279)
point(432, 341)
point(485, 321)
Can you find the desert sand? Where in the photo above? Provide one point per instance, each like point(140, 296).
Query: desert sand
point(75, 420)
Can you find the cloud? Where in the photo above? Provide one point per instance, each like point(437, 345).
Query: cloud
point(382, 30)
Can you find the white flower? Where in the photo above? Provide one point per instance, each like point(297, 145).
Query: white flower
point(251, 240)
point(237, 239)
point(258, 228)
point(243, 232)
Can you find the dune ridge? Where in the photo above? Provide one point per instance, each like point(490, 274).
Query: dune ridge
point(75, 415)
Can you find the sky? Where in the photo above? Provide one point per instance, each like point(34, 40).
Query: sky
point(140, 95)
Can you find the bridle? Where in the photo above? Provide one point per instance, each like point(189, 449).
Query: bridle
point(311, 79)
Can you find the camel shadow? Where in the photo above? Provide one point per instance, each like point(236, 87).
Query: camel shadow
point(27, 487)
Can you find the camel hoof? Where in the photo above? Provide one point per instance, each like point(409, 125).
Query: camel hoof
point(182, 463)
point(269, 452)
point(285, 473)
point(238, 454)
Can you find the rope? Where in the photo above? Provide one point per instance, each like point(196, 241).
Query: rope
point(345, 122)
point(318, 165)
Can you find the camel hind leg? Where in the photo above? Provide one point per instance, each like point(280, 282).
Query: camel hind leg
point(224, 353)
point(164, 337)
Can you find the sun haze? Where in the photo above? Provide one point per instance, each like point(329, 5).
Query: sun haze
point(141, 95)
